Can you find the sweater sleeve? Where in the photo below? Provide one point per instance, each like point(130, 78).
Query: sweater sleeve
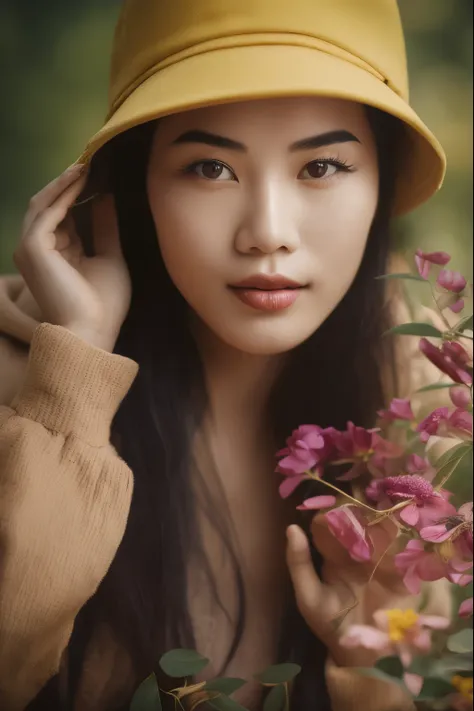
point(64, 501)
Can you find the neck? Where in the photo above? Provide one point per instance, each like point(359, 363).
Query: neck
point(238, 383)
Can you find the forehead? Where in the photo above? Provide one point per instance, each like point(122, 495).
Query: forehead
point(293, 117)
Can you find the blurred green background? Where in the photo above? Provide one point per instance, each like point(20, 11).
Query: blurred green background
point(55, 54)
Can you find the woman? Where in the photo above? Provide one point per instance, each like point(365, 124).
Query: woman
point(203, 287)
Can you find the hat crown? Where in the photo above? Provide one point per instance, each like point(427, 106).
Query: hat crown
point(152, 32)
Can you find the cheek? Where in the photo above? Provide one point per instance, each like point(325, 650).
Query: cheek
point(190, 238)
point(338, 242)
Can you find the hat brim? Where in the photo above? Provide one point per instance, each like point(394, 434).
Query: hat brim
point(256, 72)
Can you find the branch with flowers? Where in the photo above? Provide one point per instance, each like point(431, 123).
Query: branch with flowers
point(428, 655)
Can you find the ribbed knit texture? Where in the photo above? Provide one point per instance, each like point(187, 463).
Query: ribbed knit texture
point(64, 502)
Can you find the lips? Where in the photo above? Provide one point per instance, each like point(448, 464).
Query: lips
point(266, 292)
point(267, 282)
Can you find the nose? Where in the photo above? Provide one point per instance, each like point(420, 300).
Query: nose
point(270, 224)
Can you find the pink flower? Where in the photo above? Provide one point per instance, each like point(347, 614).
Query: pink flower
point(427, 505)
point(317, 502)
point(466, 608)
point(454, 533)
point(451, 358)
point(424, 260)
point(451, 280)
point(400, 409)
point(366, 448)
point(309, 446)
point(417, 565)
point(434, 424)
point(460, 424)
point(420, 465)
point(346, 523)
point(397, 632)
point(458, 306)
point(460, 396)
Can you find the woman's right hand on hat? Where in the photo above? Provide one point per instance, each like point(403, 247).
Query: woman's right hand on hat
point(90, 296)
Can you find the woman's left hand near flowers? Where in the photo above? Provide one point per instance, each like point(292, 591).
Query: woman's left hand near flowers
point(347, 585)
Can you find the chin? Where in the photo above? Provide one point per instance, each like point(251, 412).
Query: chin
point(266, 339)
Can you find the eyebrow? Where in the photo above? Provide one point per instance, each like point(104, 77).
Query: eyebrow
point(212, 139)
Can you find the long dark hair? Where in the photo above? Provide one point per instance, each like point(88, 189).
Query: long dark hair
point(333, 377)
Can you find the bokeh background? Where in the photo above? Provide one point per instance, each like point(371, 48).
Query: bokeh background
point(54, 58)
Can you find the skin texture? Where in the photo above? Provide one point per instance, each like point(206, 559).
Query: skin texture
point(264, 212)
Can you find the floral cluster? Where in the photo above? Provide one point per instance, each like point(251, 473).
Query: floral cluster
point(401, 482)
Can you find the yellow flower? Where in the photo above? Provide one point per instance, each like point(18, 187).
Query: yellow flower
point(464, 686)
point(400, 622)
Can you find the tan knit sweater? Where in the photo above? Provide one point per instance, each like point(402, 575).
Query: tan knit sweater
point(64, 501)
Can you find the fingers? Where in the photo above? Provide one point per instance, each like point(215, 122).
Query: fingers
point(42, 228)
point(306, 583)
point(50, 194)
point(13, 321)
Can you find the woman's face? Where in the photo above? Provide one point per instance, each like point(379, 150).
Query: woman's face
point(262, 210)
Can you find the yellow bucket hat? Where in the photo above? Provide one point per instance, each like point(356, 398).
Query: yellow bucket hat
point(173, 55)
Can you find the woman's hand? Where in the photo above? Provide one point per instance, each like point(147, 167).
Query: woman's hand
point(90, 296)
point(345, 585)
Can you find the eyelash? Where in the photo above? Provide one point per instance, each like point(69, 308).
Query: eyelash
point(342, 165)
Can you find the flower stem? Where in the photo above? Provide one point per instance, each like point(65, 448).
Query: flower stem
point(342, 493)
point(377, 512)
point(446, 478)
point(446, 322)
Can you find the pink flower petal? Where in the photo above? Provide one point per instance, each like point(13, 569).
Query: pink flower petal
point(410, 514)
point(466, 608)
point(436, 622)
point(288, 485)
point(435, 534)
point(317, 502)
point(412, 581)
point(414, 683)
point(458, 306)
point(347, 528)
point(365, 636)
point(422, 640)
point(451, 280)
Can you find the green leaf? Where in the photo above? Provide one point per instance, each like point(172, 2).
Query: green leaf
point(461, 642)
point(279, 673)
point(454, 453)
point(424, 666)
point(147, 696)
point(416, 329)
point(182, 662)
point(465, 324)
point(435, 386)
point(434, 689)
point(275, 701)
point(452, 664)
point(404, 275)
point(225, 685)
point(391, 666)
point(223, 703)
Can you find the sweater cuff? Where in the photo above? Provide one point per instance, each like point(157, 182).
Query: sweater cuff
point(72, 387)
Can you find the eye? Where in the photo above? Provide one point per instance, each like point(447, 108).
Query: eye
point(324, 169)
point(208, 169)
